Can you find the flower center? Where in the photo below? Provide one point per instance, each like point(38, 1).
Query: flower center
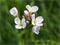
point(21, 24)
point(35, 21)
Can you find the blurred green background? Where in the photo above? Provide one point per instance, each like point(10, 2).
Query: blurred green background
point(49, 33)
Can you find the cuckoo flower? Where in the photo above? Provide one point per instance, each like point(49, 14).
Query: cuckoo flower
point(37, 23)
point(32, 8)
point(14, 11)
point(20, 23)
point(29, 11)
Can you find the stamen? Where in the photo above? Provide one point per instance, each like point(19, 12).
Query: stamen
point(21, 24)
point(35, 21)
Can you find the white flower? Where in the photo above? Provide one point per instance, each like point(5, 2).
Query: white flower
point(36, 29)
point(32, 9)
point(14, 11)
point(38, 21)
point(19, 23)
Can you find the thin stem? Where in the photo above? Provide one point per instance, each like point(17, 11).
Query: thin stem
point(50, 6)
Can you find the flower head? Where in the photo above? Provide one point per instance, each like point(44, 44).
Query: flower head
point(14, 11)
point(19, 23)
point(32, 9)
point(37, 21)
point(29, 15)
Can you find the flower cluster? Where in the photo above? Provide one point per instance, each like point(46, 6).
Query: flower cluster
point(29, 15)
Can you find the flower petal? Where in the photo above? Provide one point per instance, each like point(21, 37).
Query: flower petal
point(33, 22)
point(28, 7)
point(33, 16)
point(26, 12)
point(39, 19)
point(23, 22)
point(23, 19)
point(18, 26)
point(34, 9)
point(24, 25)
point(39, 24)
point(36, 29)
point(17, 20)
point(33, 19)
point(14, 11)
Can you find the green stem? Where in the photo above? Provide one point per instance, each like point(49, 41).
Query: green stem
point(50, 6)
point(19, 40)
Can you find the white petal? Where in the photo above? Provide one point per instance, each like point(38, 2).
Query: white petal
point(23, 19)
point(26, 12)
point(14, 11)
point(33, 22)
point(36, 29)
point(39, 24)
point(39, 19)
point(18, 26)
point(28, 7)
point(33, 16)
point(33, 9)
point(23, 22)
point(17, 20)
point(24, 25)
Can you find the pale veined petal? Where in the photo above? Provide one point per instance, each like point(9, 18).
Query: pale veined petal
point(39, 19)
point(18, 26)
point(14, 11)
point(33, 9)
point(23, 23)
point(17, 20)
point(28, 7)
point(26, 12)
point(36, 29)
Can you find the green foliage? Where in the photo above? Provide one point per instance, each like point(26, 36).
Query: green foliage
point(49, 33)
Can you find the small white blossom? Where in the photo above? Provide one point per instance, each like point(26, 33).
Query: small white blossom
point(36, 29)
point(38, 21)
point(14, 11)
point(32, 9)
point(20, 23)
